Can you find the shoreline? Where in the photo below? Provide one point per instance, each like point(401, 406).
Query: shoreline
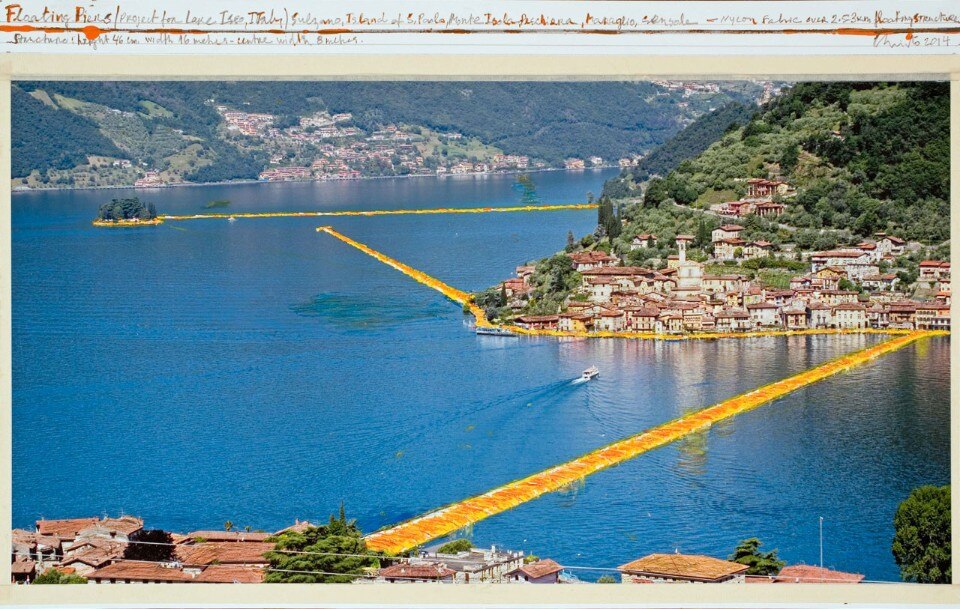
point(22, 191)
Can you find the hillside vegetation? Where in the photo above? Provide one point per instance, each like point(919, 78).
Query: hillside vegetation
point(865, 157)
point(690, 142)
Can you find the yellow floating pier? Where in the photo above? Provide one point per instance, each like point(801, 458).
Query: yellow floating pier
point(458, 296)
point(385, 212)
point(443, 521)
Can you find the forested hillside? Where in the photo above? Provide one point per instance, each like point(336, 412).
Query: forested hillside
point(174, 126)
point(48, 137)
point(690, 142)
point(866, 157)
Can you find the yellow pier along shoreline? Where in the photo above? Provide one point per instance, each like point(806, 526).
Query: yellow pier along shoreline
point(446, 520)
point(383, 212)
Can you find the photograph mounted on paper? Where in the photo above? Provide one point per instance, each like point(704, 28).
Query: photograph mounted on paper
point(464, 332)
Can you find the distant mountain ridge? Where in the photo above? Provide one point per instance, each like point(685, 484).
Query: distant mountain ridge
point(164, 124)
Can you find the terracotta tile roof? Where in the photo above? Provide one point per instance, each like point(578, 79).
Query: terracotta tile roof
point(22, 566)
point(95, 552)
point(50, 541)
point(237, 536)
point(935, 263)
point(250, 553)
point(408, 571)
point(96, 558)
point(230, 574)
point(616, 270)
point(123, 524)
point(24, 537)
point(66, 528)
point(809, 574)
point(733, 314)
point(541, 568)
point(591, 256)
point(731, 227)
point(684, 566)
point(140, 571)
point(850, 306)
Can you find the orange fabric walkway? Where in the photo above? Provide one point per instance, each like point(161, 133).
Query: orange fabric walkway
point(420, 530)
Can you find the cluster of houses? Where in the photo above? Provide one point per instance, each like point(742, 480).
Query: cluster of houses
point(688, 88)
point(344, 152)
point(758, 199)
point(151, 179)
point(681, 298)
point(594, 161)
point(94, 548)
point(246, 123)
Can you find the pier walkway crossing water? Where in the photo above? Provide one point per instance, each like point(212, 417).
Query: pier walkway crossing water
point(418, 531)
point(448, 519)
point(382, 212)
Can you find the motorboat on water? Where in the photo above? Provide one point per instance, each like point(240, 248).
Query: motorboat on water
point(494, 331)
point(590, 373)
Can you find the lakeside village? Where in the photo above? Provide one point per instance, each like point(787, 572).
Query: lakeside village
point(866, 285)
point(119, 550)
point(338, 150)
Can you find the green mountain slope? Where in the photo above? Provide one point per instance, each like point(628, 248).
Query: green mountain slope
point(862, 156)
point(49, 137)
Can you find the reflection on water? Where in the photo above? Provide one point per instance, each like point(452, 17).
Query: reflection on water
point(692, 455)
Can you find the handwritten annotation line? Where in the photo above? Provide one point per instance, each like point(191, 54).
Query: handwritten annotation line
point(92, 32)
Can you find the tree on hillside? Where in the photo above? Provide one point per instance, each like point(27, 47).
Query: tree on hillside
point(332, 553)
point(608, 219)
point(759, 563)
point(921, 542)
point(703, 234)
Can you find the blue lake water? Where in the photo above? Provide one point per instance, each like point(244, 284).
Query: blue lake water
point(258, 372)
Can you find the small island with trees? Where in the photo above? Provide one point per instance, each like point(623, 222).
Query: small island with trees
point(127, 212)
